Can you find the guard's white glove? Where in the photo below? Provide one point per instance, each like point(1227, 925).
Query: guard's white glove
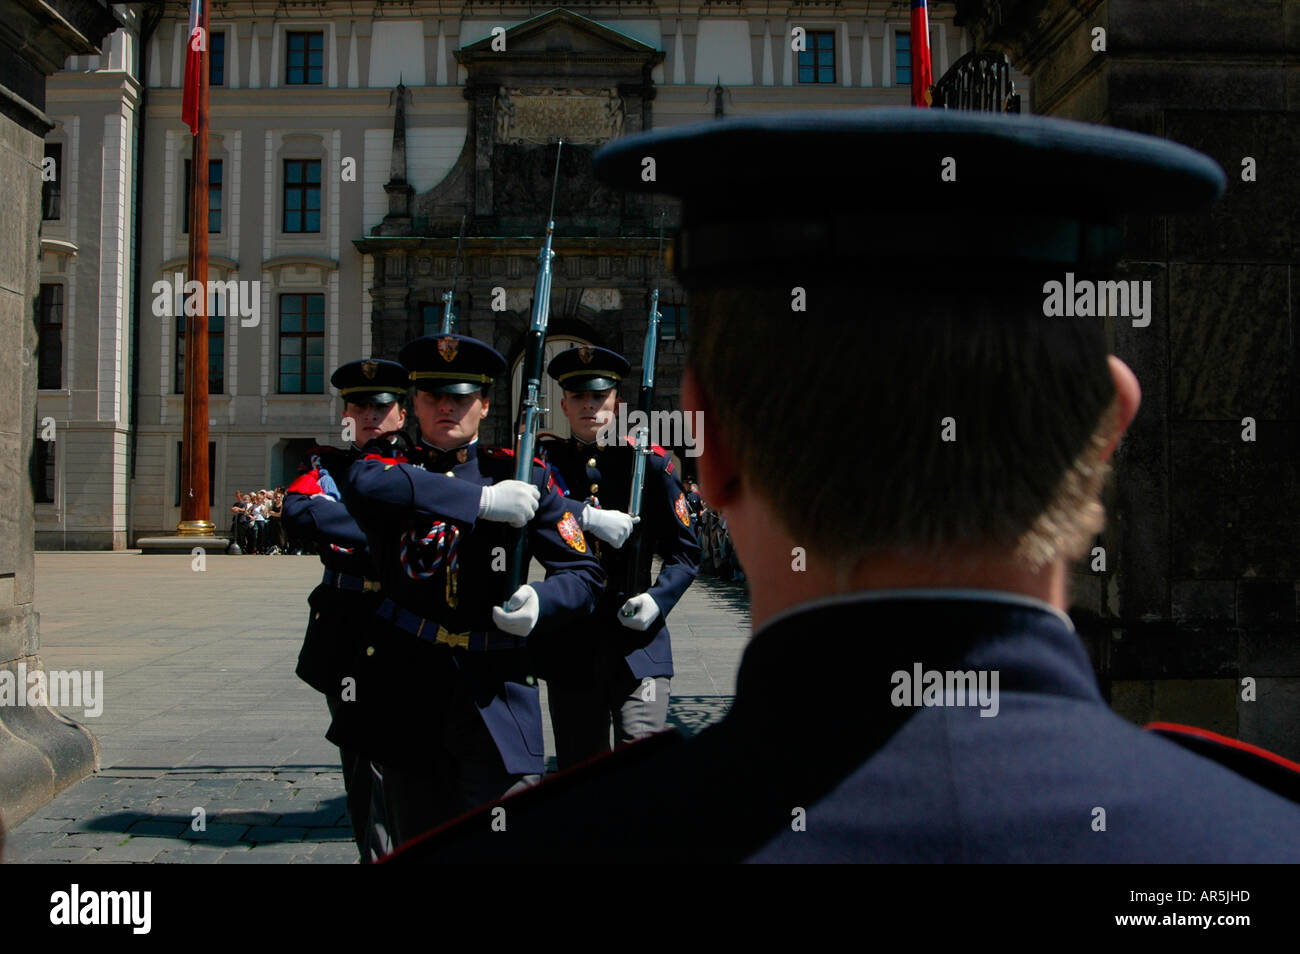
point(639, 612)
point(520, 613)
point(511, 501)
point(612, 526)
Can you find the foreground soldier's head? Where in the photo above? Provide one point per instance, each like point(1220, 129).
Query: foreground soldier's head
point(872, 283)
point(451, 375)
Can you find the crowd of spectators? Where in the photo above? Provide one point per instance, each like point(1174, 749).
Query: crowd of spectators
point(255, 525)
point(717, 555)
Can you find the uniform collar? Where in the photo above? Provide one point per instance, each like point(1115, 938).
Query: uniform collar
point(922, 593)
point(447, 459)
point(811, 664)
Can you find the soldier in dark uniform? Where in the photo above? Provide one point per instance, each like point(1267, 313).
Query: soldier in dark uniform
point(954, 434)
point(616, 667)
point(343, 605)
point(455, 709)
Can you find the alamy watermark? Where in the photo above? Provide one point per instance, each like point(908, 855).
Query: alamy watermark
point(1088, 299)
point(930, 687)
point(238, 299)
point(58, 688)
point(667, 428)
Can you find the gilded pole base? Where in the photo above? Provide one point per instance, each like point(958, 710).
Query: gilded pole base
point(195, 528)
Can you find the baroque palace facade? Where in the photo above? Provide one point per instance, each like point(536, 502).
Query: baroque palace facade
point(347, 142)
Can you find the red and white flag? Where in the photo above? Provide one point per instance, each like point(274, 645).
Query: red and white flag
point(196, 46)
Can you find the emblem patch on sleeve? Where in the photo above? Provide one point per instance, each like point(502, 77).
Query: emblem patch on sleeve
point(683, 514)
point(572, 533)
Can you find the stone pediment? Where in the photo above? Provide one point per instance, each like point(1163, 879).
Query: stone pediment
point(561, 31)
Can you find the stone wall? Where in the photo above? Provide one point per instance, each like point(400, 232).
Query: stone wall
point(1201, 587)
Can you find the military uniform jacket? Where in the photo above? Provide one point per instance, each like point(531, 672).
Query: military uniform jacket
point(815, 762)
point(602, 476)
point(313, 510)
point(445, 569)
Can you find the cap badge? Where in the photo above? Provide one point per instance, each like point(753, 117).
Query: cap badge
point(370, 369)
point(572, 533)
point(585, 354)
point(447, 347)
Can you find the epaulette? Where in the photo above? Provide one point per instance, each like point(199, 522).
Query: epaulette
point(654, 447)
point(427, 847)
point(308, 483)
point(508, 453)
point(1272, 771)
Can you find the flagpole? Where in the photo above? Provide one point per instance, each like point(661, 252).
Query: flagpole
point(196, 517)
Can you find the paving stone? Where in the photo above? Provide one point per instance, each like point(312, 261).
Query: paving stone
point(218, 832)
point(158, 827)
point(47, 855)
point(274, 833)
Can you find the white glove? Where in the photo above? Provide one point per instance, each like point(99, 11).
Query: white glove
point(639, 612)
point(520, 613)
point(612, 526)
point(511, 501)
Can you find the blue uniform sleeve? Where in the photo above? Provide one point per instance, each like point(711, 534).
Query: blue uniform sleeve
point(674, 540)
point(321, 519)
point(380, 490)
point(573, 575)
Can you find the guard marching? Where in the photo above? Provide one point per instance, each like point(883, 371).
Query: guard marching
point(456, 705)
point(343, 604)
point(614, 669)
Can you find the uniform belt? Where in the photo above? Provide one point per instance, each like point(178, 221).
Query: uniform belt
point(431, 632)
point(346, 581)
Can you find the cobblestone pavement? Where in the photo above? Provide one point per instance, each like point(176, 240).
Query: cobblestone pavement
point(205, 726)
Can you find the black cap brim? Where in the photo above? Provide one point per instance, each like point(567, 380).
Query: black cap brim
point(590, 384)
point(372, 397)
point(452, 387)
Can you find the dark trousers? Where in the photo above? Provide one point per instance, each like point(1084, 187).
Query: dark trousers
point(458, 769)
point(356, 787)
point(583, 716)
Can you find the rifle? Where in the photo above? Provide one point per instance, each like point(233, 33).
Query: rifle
point(527, 421)
point(649, 357)
point(448, 316)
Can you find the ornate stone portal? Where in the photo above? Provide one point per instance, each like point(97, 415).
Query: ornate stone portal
point(579, 116)
point(559, 75)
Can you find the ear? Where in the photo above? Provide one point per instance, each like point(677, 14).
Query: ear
point(1129, 394)
point(487, 403)
point(719, 474)
point(564, 405)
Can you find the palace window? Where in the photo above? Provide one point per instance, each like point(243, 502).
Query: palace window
point(672, 323)
point(902, 58)
point(302, 344)
point(52, 189)
point(301, 195)
point(216, 351)
point(306, 54)
point(817, 62)
point(217, 59)
point(49, 346)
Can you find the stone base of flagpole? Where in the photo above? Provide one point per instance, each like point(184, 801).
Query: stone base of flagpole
point(184, 544)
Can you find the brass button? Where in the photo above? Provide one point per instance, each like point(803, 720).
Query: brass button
point(529, 680)
point(591, 462)
point(370, 650)
point(317, 616)
point(595, 488)
point(450, 474)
